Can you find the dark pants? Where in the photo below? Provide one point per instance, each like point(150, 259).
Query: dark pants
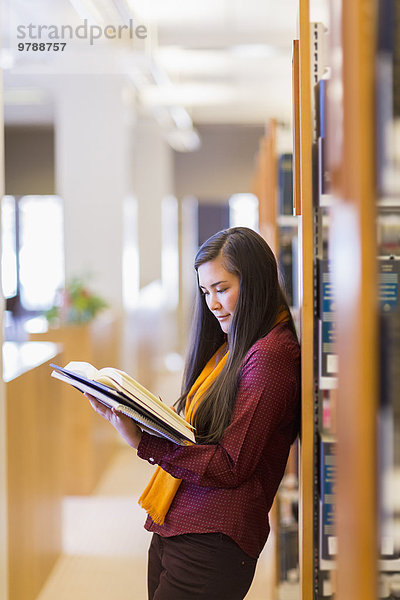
point(198, 566)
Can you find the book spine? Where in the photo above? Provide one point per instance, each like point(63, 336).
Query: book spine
point(323, 172)
point(286, 267)
point(285, 180)
point(327, 320)
point(328, 474)
point(318, 61)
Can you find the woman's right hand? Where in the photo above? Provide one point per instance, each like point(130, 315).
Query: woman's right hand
point(125, 426)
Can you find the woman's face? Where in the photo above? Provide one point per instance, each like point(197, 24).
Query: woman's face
point(220, 289)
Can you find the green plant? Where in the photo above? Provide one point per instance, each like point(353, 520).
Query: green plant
point(76, 304)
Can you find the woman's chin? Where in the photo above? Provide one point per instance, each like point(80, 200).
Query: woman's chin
point(225, 326)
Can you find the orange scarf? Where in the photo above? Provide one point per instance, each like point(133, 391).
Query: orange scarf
point(162, 487)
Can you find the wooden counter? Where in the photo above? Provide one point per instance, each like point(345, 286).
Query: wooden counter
point(89, 442)
point(34, 441)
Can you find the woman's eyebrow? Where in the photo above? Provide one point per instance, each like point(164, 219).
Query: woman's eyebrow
point(213, 285)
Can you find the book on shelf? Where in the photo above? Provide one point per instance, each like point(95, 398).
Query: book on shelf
point(285, 183)
point(116, 389)
point(388, 237)
point(320, 91)
point(318, 64)
point(327, 497)
point(389, 410)
point(327, 331)
point(286, 266)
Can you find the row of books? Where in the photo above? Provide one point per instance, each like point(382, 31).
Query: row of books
point(388, 303)
point(389, 410)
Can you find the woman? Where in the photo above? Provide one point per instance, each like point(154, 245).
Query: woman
point(208, 503)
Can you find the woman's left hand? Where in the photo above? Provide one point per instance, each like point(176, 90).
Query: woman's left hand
point(125, 426)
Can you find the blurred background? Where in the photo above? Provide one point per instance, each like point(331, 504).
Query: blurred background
point(133, 132)
point(124, 153)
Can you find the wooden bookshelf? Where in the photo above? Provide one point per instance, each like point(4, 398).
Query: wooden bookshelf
point(296, 126)
point(352, 248)
point(271, 224)
point(303, 168)
point(265, 186)
point(355, 192)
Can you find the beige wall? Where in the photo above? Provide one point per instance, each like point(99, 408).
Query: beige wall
point(224, 164)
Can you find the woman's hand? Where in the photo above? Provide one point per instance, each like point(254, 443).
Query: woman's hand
point(125, 426)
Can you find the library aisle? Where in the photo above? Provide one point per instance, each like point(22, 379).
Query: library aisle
point(105, 544)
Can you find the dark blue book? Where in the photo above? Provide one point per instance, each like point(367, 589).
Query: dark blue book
point(285, 184)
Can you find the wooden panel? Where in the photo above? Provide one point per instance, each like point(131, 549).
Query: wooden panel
point(90, 442)
point(296, 126)
point(262, 183)
point(357, 313)
point(306, 529)
point(34, 442)
point(268, 188)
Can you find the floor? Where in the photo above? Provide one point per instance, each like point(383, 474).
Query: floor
point(104, 542)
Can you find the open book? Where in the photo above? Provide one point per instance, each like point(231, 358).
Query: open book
point(116, 389)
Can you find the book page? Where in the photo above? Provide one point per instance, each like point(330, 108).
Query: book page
point(82, 368)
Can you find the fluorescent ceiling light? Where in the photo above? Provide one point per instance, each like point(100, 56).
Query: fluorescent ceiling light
point(87, 10)
point(101, 12)
point(172, 11)
point(253, 51)
point(181, 117)
point(184, 141)
point(190, 94)
point(177, 60)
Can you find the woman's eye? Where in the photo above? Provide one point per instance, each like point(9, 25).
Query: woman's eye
point(221, 291)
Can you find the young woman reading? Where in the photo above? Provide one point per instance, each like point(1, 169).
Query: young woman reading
point(208, 503)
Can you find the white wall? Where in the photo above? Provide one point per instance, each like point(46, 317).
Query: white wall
point(152, 181)
point(105, 155)
point(94, 134)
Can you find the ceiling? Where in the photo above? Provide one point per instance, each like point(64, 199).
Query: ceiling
point(214, 61)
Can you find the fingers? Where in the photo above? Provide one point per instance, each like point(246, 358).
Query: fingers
point(99, 407)
point(125, 426)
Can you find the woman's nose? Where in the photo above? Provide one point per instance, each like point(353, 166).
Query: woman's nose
point(215, 304)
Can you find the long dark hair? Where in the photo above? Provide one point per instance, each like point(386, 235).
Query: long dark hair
point(246, 254)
